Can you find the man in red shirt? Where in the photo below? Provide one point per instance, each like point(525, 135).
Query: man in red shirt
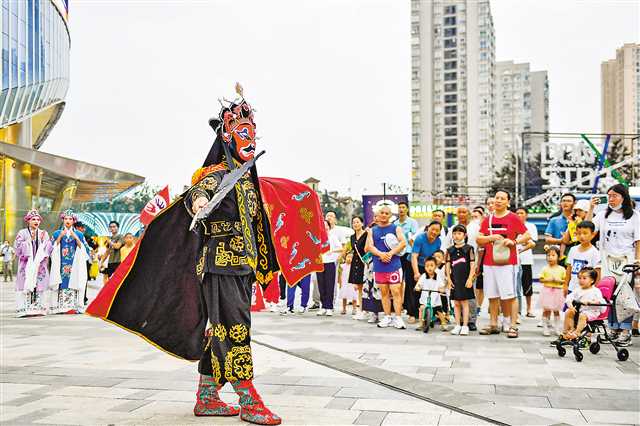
point(501, 228)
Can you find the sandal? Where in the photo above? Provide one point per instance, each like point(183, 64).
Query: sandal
point(512, 333)
point(490, 330)
point(530, 315)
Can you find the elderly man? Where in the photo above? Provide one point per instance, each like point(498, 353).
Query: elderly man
point(385, 242)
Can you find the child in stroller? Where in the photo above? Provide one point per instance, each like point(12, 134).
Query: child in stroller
point(588, 309)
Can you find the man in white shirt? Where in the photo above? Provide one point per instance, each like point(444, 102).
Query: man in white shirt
point(525, 260)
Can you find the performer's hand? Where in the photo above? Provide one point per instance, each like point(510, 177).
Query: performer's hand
point(199, 203)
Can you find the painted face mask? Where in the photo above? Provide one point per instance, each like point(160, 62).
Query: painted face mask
point(239, 130)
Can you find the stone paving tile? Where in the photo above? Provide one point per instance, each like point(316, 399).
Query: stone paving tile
point(370, 393)
point(398, 406)
point(604, 416)
point(411, 419)
point(128, 406)
point(20, 400)
point(511, 400)
point(459, 420)
point(370, 418)
point(572, 417)
point(341, 403)
point(32, 416)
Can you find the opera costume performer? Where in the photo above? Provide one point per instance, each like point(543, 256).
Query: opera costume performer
point(33, 248)
point(190, 293)
point(68, 267)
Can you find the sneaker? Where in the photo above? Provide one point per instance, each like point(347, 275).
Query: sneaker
point(360, 316)
point(457, 329)
point(540, 324)
point(373, 318)
point(321, 312)
point(314, 307)
point(635, 332)
point(464, 331)
point(546, 332)
point(285, 312)
point(301, 310)
point(399, 323)
point(624, 339)
point(385, 322)
point(472, 326)
point(329, 312)
point(443, 327)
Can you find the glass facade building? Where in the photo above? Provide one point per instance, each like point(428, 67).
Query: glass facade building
point(34, 71)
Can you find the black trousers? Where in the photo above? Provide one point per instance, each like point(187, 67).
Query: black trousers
point(227, 352)
point(527, 280)
point(327, 284)
point(411, 297)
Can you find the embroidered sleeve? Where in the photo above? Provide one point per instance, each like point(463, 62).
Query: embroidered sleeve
point(205, 188)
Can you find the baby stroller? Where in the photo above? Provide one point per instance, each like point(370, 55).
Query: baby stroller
point(607, 286)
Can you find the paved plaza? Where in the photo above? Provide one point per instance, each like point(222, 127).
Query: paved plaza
point(71, 370)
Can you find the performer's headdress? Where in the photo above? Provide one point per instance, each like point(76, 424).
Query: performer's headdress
point(69, 213)
point(235, 127)
point(31, 214)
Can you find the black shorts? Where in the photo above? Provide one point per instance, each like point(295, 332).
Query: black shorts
point(111, 268)
point(527, 280)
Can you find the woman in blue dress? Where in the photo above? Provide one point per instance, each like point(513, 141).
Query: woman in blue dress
point(68, 267)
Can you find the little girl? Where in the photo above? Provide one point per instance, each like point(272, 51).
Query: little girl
point(551, 297)
point(347, 290)
point(586, 294)
point(431, 284)
point(459, 264)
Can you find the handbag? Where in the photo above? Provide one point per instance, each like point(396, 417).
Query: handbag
point(501, 253)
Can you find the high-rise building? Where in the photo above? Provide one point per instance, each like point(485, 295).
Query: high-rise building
point(620, 88)
point(620, 95)
point(522, 105)
point(34, 78)
point(453, 117)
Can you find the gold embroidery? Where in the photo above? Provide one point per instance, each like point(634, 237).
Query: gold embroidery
point(215, 367)
point(201, 262)
point(209, 183)
point(238, 333)
point(222, 228)
point(261, 238)
point(306, 215)
point(284, 241)
point(226, 257)
point(220, 332)
point(238, 364)
point(236, 244)
point(246, 231)
point(252, 197)
point(268, 208)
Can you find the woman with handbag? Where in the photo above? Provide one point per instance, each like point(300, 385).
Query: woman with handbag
point(500, 233)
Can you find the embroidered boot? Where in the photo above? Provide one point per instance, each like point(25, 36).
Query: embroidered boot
point(252, 409)
point(208, 401)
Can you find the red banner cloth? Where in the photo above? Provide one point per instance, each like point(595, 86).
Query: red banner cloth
point(297, 227)
point(155, 206)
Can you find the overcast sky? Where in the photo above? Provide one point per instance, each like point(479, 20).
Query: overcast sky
point(330, 80)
